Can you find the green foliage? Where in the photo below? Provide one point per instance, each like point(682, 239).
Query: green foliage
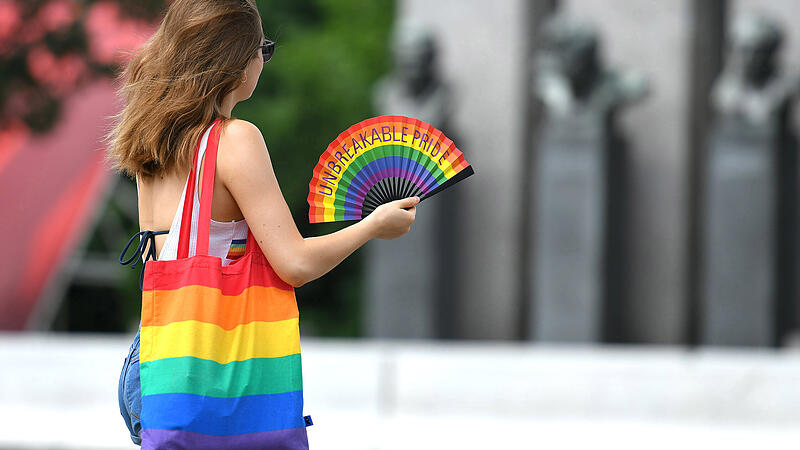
point(328, 55)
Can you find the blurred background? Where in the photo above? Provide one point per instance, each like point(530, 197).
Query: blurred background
point(620, 271)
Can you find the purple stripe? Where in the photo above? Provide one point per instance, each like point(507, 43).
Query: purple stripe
point(288, 439)
point(390, 172)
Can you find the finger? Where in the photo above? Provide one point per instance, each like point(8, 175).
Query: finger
point(407, 202)
point(413, 211)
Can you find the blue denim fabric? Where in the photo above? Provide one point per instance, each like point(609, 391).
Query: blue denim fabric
point(129, 392)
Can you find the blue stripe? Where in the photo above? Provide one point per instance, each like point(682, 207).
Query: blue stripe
point(223, 416)
point(239, 241)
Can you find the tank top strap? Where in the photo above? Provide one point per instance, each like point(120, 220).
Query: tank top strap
point(197, 179)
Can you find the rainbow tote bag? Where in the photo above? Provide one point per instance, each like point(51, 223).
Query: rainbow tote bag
point(220, 345)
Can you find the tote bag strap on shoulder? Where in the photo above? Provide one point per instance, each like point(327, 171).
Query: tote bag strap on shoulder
point(206, 196)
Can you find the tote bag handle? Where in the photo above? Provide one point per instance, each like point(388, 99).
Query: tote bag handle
point(206, 196)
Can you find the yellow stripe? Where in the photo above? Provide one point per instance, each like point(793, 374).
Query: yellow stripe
point(210, 341)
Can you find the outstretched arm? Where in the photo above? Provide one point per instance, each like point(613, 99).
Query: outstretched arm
point(245, 168)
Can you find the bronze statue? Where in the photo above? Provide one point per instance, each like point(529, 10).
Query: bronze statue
point(750, 86)
point(571, 78)
point(415, 88)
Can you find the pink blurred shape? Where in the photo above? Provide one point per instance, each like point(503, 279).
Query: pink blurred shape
point(57, 14)
point(59, 74)
point(10, 21)
point(50, 188)
point(111, 36)
point(12, 139)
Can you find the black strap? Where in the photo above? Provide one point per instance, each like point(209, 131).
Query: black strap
point(137, 255)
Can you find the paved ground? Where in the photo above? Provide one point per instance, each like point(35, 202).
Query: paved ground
point(59, 391)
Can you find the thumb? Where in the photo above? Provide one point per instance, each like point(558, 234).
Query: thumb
point(407, 202)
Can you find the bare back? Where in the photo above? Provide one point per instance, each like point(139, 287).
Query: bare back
point(160, 196)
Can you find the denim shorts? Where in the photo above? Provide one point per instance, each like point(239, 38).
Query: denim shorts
point(130, 392)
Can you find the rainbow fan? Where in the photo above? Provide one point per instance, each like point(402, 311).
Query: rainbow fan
point(379, 160)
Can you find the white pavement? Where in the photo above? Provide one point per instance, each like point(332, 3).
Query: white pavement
point(60, 391)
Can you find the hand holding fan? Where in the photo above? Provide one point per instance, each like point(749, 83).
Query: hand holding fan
point(380, 160)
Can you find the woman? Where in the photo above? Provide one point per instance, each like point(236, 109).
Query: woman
point(205, 57)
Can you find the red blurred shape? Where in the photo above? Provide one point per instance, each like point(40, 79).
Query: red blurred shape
point(49, 190)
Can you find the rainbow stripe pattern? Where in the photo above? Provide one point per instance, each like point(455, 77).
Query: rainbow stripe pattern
point(220, 356)
point(236, 250)
point(379, 160)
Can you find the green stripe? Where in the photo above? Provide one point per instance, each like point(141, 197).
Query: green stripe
point(190, 375)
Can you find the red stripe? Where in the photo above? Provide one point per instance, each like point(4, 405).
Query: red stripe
point(205, 270)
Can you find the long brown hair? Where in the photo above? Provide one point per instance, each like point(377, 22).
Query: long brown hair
point(174, 83)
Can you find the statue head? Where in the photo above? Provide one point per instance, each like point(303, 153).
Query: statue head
point(754, 41)
point(414, 50)
point(571, 47)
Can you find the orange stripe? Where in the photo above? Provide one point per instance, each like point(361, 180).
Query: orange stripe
point(205, 304)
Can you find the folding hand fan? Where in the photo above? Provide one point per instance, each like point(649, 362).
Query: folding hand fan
point(379, 160)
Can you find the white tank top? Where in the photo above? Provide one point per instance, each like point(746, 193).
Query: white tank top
point(226, 239)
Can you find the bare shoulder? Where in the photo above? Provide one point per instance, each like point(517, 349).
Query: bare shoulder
point(239, 133)
point(241, 148)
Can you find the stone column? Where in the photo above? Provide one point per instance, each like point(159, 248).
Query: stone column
point(576, 254)
point(748, 236)
point(412, 282)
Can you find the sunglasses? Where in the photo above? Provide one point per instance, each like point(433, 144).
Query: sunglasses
point(267, 50)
